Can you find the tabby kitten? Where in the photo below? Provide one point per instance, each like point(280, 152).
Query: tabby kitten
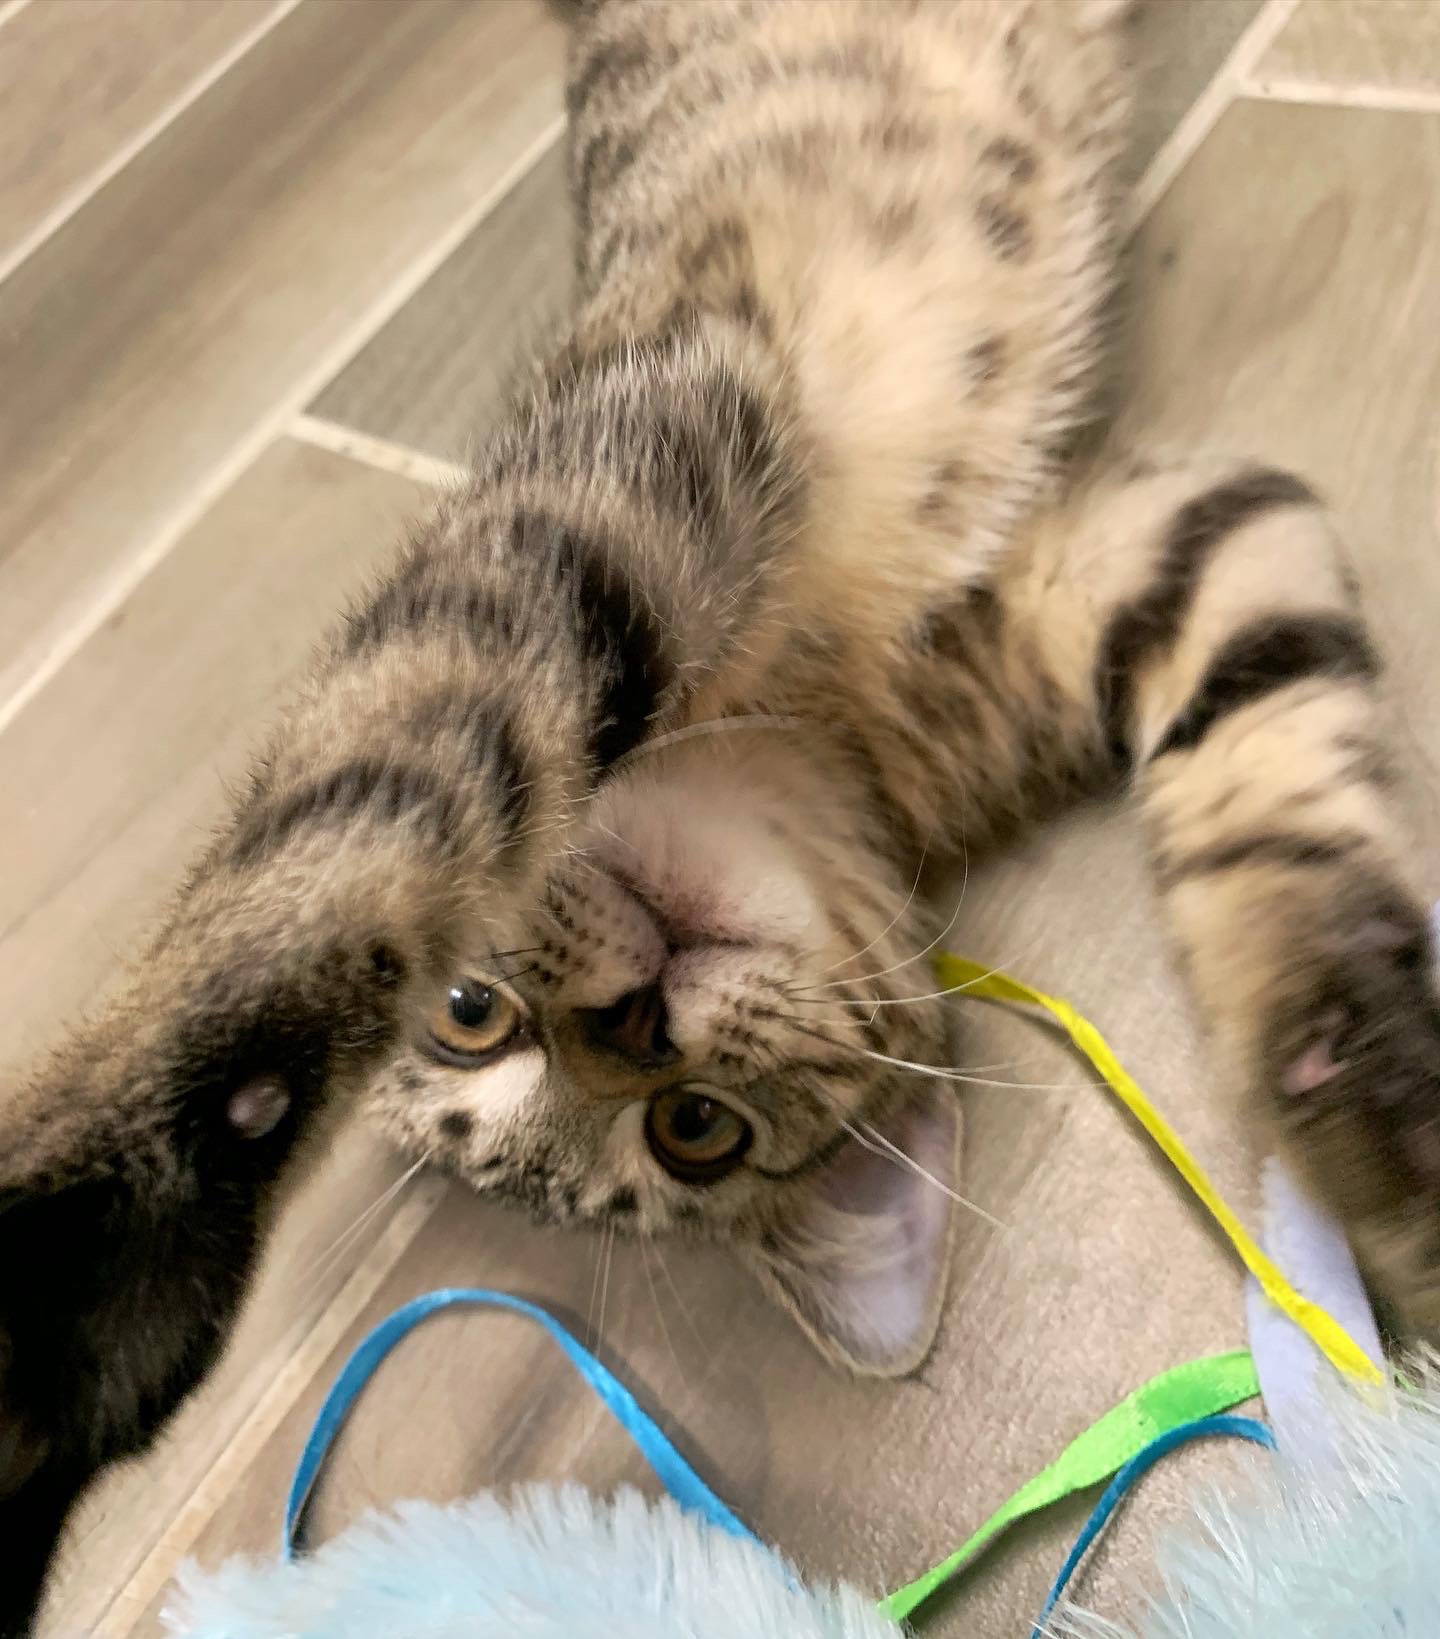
point(766, 580)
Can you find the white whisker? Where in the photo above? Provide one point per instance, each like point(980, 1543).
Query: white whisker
point(894, 1001)
point(878, 1144)
point(870, 1138)
point(659, 1311)
point(614, 837)
point(315, 1271)
point(894, 920)
point(944, 933)
point(595, 1286)
point(685, 1314)
point(718, 725)
point(605, 1284)
point(941, 1072)
point(946, 1074)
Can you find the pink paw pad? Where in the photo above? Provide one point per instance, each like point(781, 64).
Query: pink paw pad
point(1315, 1066)
point(256, 1108)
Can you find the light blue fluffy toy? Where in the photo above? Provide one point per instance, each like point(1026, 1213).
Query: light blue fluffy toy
point(551, 1563)
point(1344, 1545)
point(1315, 1550)
point(1340, 1539)
point(1336, 1537)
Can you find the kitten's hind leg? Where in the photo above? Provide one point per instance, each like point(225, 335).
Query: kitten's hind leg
point(1206, 620)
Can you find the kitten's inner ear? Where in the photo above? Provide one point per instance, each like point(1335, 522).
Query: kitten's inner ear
point(863, 1260)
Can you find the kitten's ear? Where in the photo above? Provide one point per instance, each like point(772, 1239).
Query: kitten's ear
point(862, 1260)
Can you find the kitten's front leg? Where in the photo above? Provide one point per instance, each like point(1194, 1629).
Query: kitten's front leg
point(614, 563)
point(1236, 678)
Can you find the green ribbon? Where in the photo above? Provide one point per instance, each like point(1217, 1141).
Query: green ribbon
point(1198, 1388)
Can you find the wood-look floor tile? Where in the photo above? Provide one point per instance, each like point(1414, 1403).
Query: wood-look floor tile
point(1179, 45)
point(224, 268)
point(1289, 294)
point(432, 379)
point(111, 778)
point(82, 79)
point(1392, 44)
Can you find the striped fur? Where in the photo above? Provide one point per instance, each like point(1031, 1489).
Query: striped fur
point(772, 570)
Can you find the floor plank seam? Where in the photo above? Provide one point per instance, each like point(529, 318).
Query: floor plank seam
point(1204, 113)
point(65, 635)
point(1318, 93)
point(75, 199)
point(386, 454)
point(291, 1371)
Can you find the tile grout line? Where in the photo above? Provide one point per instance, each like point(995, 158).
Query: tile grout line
point(84, 191)
point(385, 454)
point(24, 678)
point(1321, 94)
point(1204, 113)
point(295, 1373)
point(1234, 78)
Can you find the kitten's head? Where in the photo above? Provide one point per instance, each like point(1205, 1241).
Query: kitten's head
point(688, 1029)
point(684, 1037)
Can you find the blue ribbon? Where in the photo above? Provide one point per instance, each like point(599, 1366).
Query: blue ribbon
point(1242, 1428)
point(677, 1476)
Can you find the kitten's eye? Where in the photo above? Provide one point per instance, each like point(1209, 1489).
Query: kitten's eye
point(474, 1023)
point(694, 1137)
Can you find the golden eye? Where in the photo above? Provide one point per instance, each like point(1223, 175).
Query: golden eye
point(696, 1138)
point(474, 1023)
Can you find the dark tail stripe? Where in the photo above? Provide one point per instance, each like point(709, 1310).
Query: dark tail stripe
point(1287, 849)
point(1153, 622)
point(363, 788)
point(1271, 654)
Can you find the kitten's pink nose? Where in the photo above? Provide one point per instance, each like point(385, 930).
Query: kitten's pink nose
point(637, 1027)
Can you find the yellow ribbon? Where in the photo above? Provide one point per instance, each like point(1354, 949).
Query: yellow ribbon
point(1338, 1347)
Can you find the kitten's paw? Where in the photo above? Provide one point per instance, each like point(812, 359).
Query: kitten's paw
point(1353, 1080)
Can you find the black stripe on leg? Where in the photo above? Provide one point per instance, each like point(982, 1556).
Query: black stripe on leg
point(1286, 849)
point(616, 631)
point(686, 469)
point(1153, 621)
point(618, 628)
point(600, 165)
point(608, 64)
point(488, 744)
point(363, 788)
point(1271, 654)
point(496, 742)
point(407, 609)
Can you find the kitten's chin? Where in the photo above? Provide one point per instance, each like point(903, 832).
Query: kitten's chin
point(861, 1259)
